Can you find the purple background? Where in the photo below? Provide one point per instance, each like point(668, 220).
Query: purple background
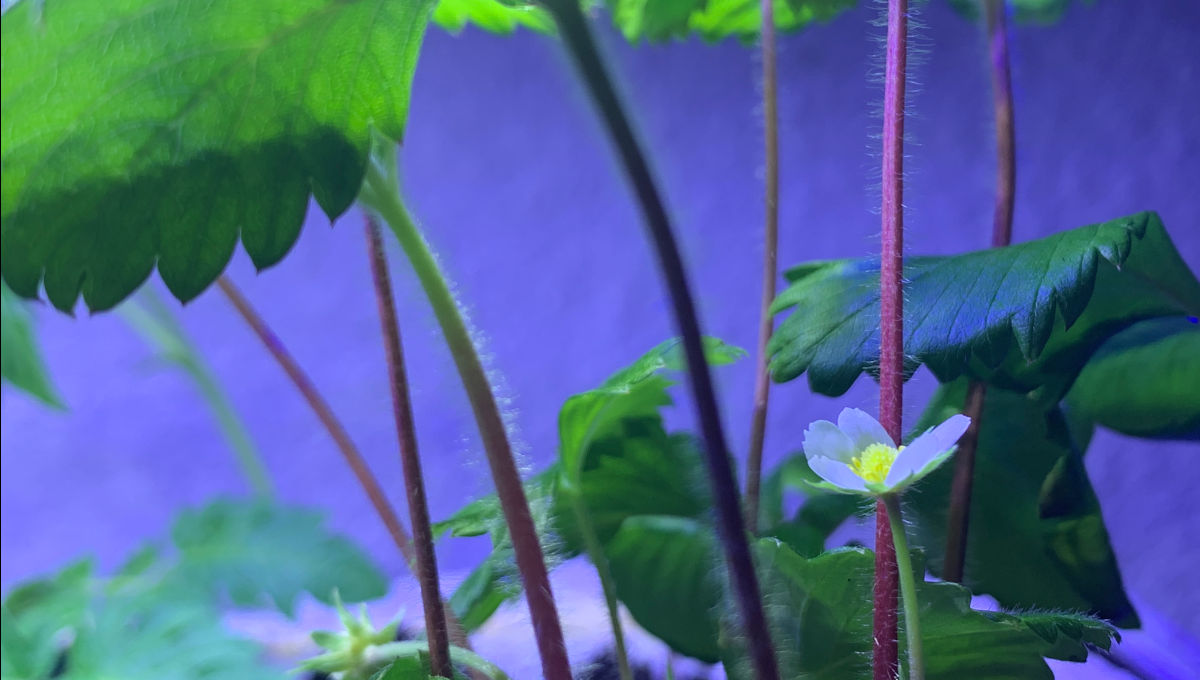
point(506, 168)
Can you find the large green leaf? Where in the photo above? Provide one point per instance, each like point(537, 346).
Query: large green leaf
point(1145, 381)
point(20, 357)
point(148, 131)
point(1022, 317)
point(661, 20)
point(821, 624)
point(1036, 535)
point(264, 554)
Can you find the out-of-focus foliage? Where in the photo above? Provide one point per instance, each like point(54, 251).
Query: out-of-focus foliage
point(1025, 317)
point(1035, 11)
point(149, 132)
point(20, 357)
point(1036, 537)
point(661, 20)
point(1145, 381)
point(495, 16)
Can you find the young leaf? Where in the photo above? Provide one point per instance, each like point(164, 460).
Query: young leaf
point(1036, 537)
point(495, 16)
point(1145, 381)
point(146, 132)
point(259, 553)
point(21, 360)
point(1021, 317)
point(713, 20)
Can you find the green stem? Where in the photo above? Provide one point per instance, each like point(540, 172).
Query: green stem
point(381, 194)
point(154, 322)
point(595, 551)
point(908, 590)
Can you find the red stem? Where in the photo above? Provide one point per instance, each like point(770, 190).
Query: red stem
point(762, 381)
point(891, 352)
point(414, 483)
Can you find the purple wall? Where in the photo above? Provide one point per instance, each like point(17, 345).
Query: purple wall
point(508, 171)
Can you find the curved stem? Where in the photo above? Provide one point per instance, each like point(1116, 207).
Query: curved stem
point(958, 515)
point(595, 551)
point(381, 193)
point(762, 381)
point(350, 452)
point(729, 517)
point(414, 484)
point(908, 587)
point(891, 352)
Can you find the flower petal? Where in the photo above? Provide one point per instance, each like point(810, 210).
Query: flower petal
point(837, 473)
point(823, 438)
point(925, 449)
point(862, 429)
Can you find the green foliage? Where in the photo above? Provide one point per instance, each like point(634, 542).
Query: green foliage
point(820, 611)
point(259, 553)
point(1036, 536)
point(1035, 11)
point(1145, 381)
point(21, 360)
point(496, 16)
point(662, 20)
point(147, 131)
point(1023, 317)
point(138, 626)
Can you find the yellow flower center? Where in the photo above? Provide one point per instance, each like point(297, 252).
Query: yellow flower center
point(874, 462)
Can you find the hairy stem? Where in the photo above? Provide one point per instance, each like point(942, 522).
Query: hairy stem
point(762, 381)
point(891, 353)
point(350, 452)
point(595, 551)
point(381, 193)
point(958, 516)
point(730, 525)
point(908, 587)
point(414, 484)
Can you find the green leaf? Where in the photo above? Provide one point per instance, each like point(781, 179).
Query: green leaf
point(151, 131)
point(1036, 535)
point(40, 617)
point(495, 16)
point(1030, 11)
point(1145, 381)
point(1021, 317)
point(821, 623)
point(662, 20)
point(664, 569)
point(259, 553)
point(21, 360)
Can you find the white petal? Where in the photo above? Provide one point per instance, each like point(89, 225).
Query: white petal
point(837, 473)
point(927, 447)
point(862, 429)
point(823, 438)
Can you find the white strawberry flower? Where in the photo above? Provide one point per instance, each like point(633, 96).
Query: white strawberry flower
point(857, 456)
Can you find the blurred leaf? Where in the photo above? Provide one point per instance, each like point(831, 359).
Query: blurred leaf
point(21, 360)
point(820, 515)
point(1036, 535)
point(821, 623)
point(664, 569)
point(495, 16)
point(264, 554)
point(662, 20)
point(1034, 11)
point(40, 617)
point(1145, 381)
point(152, 131)
point(1021, 317)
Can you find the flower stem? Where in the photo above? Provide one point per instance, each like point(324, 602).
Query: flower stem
point(762, 381)
point(729, 516)
point(908, 587)
point(958, 515)
point(414, 484)
point(351, 454)
point(891, 354)
point(381, 194)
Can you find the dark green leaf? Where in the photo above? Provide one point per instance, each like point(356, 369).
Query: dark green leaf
point(496, 16)
point(264, 554)
point(1022, 317)
point(1036, 535)
point(1145, 381)
point(151, 131)
point(661, 20)
point(20, 358)
point(665, 569)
